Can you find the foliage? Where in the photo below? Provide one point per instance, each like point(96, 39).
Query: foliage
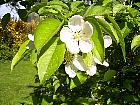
point(12, 35)
point(116, 84)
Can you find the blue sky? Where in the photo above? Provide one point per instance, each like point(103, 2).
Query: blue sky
point(7, 8)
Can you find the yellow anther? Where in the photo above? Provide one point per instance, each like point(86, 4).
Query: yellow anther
point(77, 36)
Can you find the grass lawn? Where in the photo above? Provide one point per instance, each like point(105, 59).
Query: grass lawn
point(14, 85)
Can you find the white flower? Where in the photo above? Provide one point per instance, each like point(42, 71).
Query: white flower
point(91, 70)
point(98, 62)
point(77, 35)
point(76, 64)
point(31, 37)
point(31, 43)
point(107, 41)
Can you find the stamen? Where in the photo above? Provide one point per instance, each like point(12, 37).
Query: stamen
point(68, 57)
point(77, 36)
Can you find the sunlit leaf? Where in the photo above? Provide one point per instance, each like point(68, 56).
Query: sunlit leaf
point(56, 85)
point(78, 80)
point(88, 58)
point(105, 2)
point(138, 4)
point(97, 11)
point(45, 11)
point(126, 30)
point(97, 39)
point(19, 55)
point(45, 31)
point(75, 4)
point(119, 7)
point(133, 12)
point(135, 42)
point(58, 3)
point(114, 33)
point(106, 27)
point(51, 59)
point(33, 56)
point(44, 102)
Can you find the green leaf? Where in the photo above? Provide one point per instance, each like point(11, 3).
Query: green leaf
point(97, 38)
point(120, 36)
point(88, 59)
point(58, 3)
point(50, 61)
point(44, 102)
point(133, 12)
point(106, 27)
point(5, 20)
point(96, 54)
point(36, 7)
point(105, 2)
point(33, 56)
point(138, 4)
point(125, 31)
point(114, 32)
point(135, 42)
point(78, 80)
point(137, 21)
point(19, 55)
point(97, 11)
point(45, 31)
point(44, 1)
point(45, 11)
point(109, 75)
point(74, 5)
point(56, 85)
point(119, 7)
point(56, 7)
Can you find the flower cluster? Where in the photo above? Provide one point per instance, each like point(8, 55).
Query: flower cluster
point(77, 36)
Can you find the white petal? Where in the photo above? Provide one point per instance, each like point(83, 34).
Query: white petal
point(97, 61)
point(105, 63)
point(92, 70)
point(31, 37)
point(78, 63)
point(107, 41)
point(66, 34)
point(97, 17)
point(69, 71)
point(75, 23)
point(87, 30)
point(27, 47)
point(85, 46)
point(72, 46)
